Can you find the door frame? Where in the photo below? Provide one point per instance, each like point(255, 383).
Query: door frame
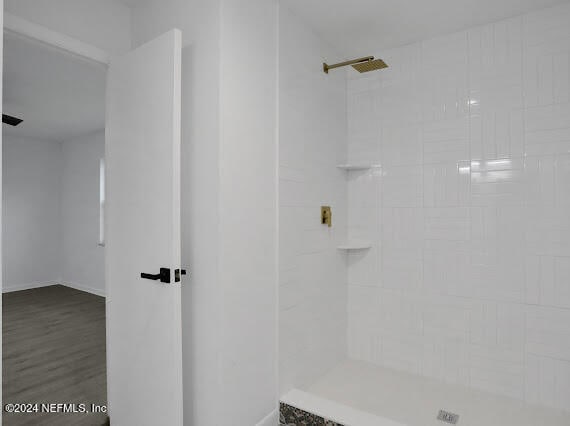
point(20, 27)
point(15, 25)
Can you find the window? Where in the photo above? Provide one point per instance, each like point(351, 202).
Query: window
point(102, 202)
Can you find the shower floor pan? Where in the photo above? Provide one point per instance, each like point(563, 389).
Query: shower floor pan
point(361, 394)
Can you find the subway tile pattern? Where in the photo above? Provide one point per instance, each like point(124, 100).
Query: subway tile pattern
point(468, 280)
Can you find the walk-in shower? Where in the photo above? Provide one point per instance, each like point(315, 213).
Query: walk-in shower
point(440, 292)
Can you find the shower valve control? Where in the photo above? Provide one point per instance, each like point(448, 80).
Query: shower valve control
point(326, 216)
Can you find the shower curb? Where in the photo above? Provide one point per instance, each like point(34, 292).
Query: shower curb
point(292, 416)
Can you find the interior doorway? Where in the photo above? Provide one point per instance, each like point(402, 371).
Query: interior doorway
point(140, 94)
point(54, 326)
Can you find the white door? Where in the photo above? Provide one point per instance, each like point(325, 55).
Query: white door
point(144, 350)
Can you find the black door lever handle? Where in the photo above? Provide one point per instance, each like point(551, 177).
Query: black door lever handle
point(163, 276)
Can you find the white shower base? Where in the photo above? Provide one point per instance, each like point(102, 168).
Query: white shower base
point(361, 394)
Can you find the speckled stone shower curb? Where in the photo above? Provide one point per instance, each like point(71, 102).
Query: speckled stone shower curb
point(291, 416)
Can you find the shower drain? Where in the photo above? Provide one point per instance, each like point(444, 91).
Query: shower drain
point(448, 417)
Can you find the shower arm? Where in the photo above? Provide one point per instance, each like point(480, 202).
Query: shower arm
point(327, 67)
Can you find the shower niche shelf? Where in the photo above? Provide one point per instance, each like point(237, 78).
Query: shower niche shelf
point(355, 245)
point(355, 167)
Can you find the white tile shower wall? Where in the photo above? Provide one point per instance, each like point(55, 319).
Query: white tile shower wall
point(312, 279)
point(468, 280)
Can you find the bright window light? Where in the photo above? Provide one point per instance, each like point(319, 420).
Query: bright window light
point(102, 202)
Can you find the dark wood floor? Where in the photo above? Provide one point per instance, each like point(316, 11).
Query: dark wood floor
point(53, 351)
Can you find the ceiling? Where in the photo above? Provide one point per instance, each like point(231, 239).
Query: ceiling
point(58, 96)
point(133, 3)
point(362, 27)
point(61, 97)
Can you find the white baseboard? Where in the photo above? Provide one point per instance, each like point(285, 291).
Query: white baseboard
point(20, 287)
point(272, 419)
point(85, 288)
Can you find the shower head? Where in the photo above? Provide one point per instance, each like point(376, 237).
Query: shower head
point(361, 65)
point(372, 65)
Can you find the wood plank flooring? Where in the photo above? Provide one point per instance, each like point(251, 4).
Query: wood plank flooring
point(53, 351)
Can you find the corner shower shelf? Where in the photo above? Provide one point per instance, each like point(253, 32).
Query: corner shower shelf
point(355, 245)
point(351, 167)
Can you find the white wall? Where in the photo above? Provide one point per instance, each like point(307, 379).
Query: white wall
point(102, 23)
point(32, 210)
point(248, 204)
point(229, 346)
point(105, 24)
point(312, 142)
point(469, 277)
point(82, 259)
point(51, 207)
